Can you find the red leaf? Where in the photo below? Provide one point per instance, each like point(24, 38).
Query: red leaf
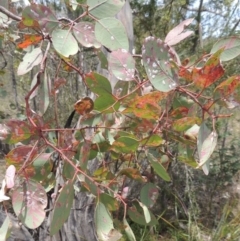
point(210, 72)
point(19, 156)
point(185, 74)
point(228, 86)
point(19, 131)
point(84, 106)
point(146, 106)
point(30, 39)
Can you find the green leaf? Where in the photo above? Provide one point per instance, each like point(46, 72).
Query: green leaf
point(132, 173)
point(98, 84)
point(231, 48)
point(64, 43)
point(6, 228)
point(128, 231)
point(182, 101)
point(157, 62)
point(105, 102)
point(68, 170)
point(62, 207)
point(110, 202)
point(149, 194)
point(42, 167)
point(158, 168)
point(153, 140)
point(84, 154)
point(31, 213)
point(103, 221)
point(137, 215)
point(206, 144)
point(110, 33)
point(85, 34)
point(122, 65)
point(125, 144)
point(91, 187)
point(186, 155)
point(104, 8)
point(30, 60)
point(185, 123)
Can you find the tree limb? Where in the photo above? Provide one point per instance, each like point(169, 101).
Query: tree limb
point(10, 14)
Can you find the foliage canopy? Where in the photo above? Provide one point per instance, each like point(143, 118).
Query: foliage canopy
point(123, 124)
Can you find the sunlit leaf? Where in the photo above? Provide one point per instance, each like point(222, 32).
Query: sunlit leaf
point(29, 201)
point(157, 59)
point(9, 176)
point(64, 43)
point(104, 8)
point(206, 144)
point(128, 231)
point(85, 35)
point(231, 47)
point(122, 64)
point(176, 34)
point(30, 60)
point(3, 197)
point(6, 228)
point(103, 221)
point(62, 207)
point(210, 72)
point(192, 133)
point(110, 33)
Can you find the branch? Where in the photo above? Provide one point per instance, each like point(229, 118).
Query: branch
point(10, 14)
point(203, 10)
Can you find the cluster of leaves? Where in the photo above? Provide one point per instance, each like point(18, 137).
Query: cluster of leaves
point(129, 121)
